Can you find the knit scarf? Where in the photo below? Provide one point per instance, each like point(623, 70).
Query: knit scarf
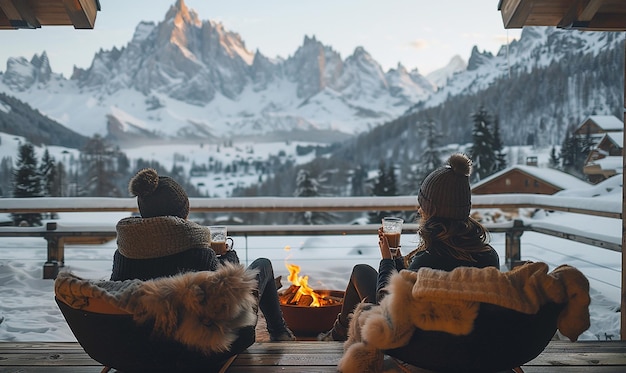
point(145, 238)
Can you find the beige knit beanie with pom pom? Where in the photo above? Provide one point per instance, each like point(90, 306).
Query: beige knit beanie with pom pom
point(446, 192)
point(158, 195)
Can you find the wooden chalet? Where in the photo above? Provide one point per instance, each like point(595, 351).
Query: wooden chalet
point(605, 159)
point(606, 133)
point(31, 14)
point(527, 180)
point(599, 125)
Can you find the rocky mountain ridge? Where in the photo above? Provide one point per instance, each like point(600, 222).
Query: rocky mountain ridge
point(184, 78)
point(191, 80)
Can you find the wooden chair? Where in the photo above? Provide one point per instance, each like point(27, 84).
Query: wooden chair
point(111, 336)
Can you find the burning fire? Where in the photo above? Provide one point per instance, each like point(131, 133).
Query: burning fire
point(301, 294)
point(302, 282)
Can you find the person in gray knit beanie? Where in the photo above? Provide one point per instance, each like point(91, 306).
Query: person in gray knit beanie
point(446, 192)
point(158, 195)
point(449, 238)
point(163, 242)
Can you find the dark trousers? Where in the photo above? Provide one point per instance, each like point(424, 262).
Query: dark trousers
point(268, 295)
point(361, 288)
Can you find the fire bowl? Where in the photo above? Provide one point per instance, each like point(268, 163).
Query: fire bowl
point(310, 321)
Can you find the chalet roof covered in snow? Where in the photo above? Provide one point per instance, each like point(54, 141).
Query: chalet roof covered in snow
point(609, 123)
point(617, 138)
point(557, 178)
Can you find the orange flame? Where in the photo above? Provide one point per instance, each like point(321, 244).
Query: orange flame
point(303, 283)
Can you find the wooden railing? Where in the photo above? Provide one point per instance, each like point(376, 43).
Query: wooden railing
point(288, 204)
point(58, 235)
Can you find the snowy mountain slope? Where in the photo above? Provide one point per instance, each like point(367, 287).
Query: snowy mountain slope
point(538, 88)
point(537, 48)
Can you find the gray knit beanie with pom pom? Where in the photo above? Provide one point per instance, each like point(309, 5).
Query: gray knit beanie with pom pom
point(446, 192)
point(158, 195)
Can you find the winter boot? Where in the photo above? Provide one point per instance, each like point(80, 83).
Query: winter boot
point(339, 332)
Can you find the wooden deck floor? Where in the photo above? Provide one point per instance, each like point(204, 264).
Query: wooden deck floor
point(306, 356)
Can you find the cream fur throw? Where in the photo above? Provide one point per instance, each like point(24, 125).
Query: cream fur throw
point(202, 310)
point(449, 301)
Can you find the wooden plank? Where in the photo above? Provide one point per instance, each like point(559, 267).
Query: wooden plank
point(589, 9)
point(306, 356)
point(514, 13)
point(570, 369)
point(49, 369)
point(82, 13)
point(20, 15)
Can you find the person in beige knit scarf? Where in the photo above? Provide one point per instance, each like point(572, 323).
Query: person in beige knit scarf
point(163, 242)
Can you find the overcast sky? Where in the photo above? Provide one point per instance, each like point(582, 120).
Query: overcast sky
point(422, 34)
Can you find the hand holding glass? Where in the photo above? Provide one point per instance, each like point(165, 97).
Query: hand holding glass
point(219, 238)
point(392, 228)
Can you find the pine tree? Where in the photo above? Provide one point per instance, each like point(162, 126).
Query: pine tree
point(554, 161)
point(566, 156)
point(48, 172)
point(98, 162)
point(26, 183)
point(59, 187)
point(482, 152)
point(572, 155)
point(357, 181)
point(391, 188)
point(498, 147)
point(308, 186)
point(430, 159)
point(6, 176)
point(385, 185)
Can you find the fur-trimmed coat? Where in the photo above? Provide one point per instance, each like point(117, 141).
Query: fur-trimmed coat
point(449, 301)
point(202, 310)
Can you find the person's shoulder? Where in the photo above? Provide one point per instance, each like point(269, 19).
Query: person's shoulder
point(489, 257)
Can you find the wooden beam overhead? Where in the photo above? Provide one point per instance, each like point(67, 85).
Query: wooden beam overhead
point(82, 13)
point(593, 15)
point(16, 14)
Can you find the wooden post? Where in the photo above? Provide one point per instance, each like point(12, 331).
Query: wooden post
point(55, 253)
point(623, 302)
point(513, 246)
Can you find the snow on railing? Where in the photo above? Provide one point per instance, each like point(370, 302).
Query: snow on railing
point(582, 205)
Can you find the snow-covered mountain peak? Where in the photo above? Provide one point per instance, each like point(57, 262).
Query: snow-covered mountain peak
point(142, 31)
point(183, 77)
point(440, 77)
point(180, 15)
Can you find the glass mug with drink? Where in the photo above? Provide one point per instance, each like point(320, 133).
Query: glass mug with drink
point(392, 228)
point(219, 239)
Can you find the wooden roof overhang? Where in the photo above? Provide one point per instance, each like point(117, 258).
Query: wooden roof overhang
point(31, 14)
point(595, 15)
point(586, 15)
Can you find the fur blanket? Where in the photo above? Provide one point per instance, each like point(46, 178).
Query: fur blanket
point(449, 301)
point(202, 310)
